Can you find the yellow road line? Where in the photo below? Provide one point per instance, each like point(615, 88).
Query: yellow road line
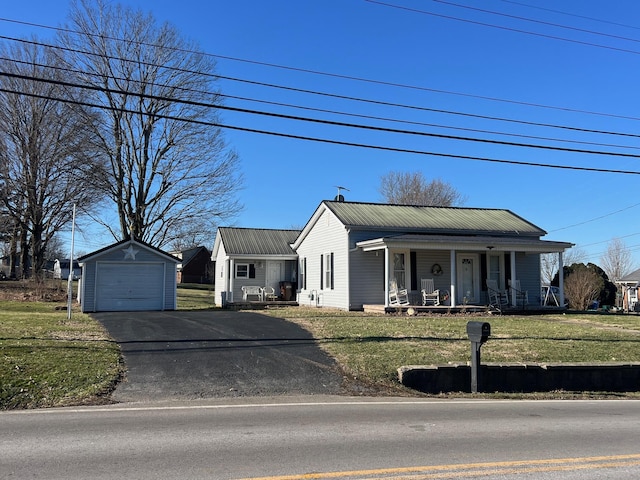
point(468, 469)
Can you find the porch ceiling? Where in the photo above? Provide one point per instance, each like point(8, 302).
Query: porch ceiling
point(452, 242)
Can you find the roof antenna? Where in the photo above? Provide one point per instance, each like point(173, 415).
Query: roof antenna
point(340, 197)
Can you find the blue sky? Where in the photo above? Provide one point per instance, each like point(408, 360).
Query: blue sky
point(426, 55)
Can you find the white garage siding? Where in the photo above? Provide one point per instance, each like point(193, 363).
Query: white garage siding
point(128, 287)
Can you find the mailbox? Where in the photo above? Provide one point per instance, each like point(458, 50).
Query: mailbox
point(478, 331)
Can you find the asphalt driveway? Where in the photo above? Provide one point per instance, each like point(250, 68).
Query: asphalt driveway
point(206, 354)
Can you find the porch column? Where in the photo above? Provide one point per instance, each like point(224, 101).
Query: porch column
point(561, 279)
point(514, 276)
point(452, 262)
point(386, 276)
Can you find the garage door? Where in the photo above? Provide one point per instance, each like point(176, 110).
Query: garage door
point(129, 286)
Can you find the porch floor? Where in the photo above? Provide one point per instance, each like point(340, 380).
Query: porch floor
point(248, 305)
point(442, 309)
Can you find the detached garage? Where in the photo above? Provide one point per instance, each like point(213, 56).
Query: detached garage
point(128, 276)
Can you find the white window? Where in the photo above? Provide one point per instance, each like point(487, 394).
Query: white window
point(328, 274)
point(242, 270)
point(495, 266)
point(302, 285)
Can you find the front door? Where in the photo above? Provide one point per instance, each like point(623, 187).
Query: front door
point(468, 285)
point(275, 272)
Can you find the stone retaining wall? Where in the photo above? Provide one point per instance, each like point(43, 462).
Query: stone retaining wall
point(524, 378)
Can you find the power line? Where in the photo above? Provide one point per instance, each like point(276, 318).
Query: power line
point(572, 14)
point(334, 142)
point(542, 22)
point(337, 75)
point(324, 122)
point(596, 218)
point(501, 27)
point(350, 114)
point(436, 110)
point(378, 102)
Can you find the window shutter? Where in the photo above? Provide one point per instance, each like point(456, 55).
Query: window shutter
point(483, 272)
point(414, 271)
point(507, 268)
point(321, 272)
point(252, 270)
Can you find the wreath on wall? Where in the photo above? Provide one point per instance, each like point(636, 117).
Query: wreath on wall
point(436, 269)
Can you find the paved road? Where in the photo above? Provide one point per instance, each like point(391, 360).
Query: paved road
point(205, 354)
point(349, 439)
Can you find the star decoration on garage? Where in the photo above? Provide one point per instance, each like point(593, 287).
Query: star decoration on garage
point(130, 252)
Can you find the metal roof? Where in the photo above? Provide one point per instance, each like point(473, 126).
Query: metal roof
point(432, 219)
point(257, 241)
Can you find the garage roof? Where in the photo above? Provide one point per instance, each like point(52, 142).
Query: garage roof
point(124, 243)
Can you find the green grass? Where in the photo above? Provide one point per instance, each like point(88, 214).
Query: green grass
point(195, 297)
point(372, 347)
point(47, 360)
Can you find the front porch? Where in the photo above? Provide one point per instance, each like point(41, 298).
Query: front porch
point(459, 268)
point(259, 304)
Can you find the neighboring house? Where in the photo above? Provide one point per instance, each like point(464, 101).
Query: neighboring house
point(196, 266)
point(61, 269)
point(350, 252)
point(254, 257)
point(5, 266)
point(128, 276)
point(629, 286)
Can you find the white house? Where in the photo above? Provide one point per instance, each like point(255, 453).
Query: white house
point(350, 252)
point(253, 257)
point(61, 269)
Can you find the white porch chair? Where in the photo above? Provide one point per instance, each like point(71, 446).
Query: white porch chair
point(522, 297)
point(269, 294)
point(430, 296)
point(398, 296)
point(497, 298)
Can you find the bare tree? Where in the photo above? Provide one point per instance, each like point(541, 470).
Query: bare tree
point(617, 261)
point(45, 161)
point(413, 189)
point(169, 169)
point(549, 263)
point(582, 287)
point(574, 255)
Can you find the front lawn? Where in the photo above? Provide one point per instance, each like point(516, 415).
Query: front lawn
point(47, 360)
point(372, 347)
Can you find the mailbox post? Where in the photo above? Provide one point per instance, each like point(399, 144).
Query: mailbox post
point(478, 333)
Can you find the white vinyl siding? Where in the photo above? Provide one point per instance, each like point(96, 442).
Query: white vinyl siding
point(328, 236)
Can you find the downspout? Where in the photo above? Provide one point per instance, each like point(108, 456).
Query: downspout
point(348, 277)
point(232, 269)
point(454, 275)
